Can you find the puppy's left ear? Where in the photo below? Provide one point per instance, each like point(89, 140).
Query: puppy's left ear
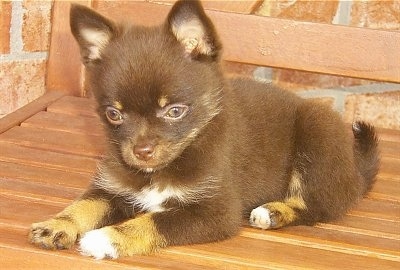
point(92, 31)
point(193, 29)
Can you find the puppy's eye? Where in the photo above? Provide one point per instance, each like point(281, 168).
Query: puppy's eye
point(175, 112)
point(114, 116)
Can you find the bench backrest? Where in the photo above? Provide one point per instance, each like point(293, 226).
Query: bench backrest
point(247, 38)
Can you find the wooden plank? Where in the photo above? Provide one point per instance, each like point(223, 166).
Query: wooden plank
point(39, 191)
point(21, 258)
point(391, 135)
point(32, 174)
point(64, 68)
point(284, 255)
point(22, 212)
point(23, 254)
point(66, 123)
point(386, 190)
point(297, 45)
point(390, 149)
point(74, 106)
point(370, 226)
point(377, 209)
point(327, 238)
point(29, 210)
point(243, 7)
point(291, 44)
point(390, 168)
point(20, 115)
point(13, 153)
point(57, 141)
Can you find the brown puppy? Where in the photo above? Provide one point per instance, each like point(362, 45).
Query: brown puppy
point(191, 153)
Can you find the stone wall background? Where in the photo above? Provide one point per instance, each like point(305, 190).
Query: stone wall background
point(24, 42)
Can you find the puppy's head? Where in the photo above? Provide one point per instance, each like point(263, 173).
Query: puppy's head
point(157, 87)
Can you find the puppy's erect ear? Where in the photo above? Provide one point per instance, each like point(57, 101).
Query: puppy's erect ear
point(91, 30)
point(193, 29)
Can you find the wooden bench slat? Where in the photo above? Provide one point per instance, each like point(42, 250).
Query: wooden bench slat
point(374, 226)
point(390, 149)
point(329, 238)
point(23, 213)
point(243, 7)
point(390, 168)
point(38, 190)
point(74, 106)
point(20, 115)
point(377, 209)
point(64, 66)
point(65, 122)
point(30, 156)
point(306, 235)
point(386, 190)
point(213, 251)
point(34, 174)
point(17, 258)
point(58, 141)
point(277, 254)
point(391, 135)
point(31, 257)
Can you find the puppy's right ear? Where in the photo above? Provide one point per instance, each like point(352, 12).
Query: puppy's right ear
point(92, 31)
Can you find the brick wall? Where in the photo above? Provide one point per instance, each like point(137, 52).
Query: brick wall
point(24, 44)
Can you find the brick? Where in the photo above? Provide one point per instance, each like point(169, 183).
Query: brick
point(300, 80)
point(240, 69)
point(36, 25)
point(381, 109)
point(311, 11)
point(20, 83)
point(329, 101)
point(376, 14)
point(5, 22)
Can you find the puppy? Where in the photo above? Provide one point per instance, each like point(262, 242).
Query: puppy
point(192, 153)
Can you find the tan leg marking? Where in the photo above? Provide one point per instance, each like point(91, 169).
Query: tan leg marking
point(278, 214)
point(62, 231)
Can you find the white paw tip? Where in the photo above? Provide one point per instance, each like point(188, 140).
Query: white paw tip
point(97, 244)
point(260, 218)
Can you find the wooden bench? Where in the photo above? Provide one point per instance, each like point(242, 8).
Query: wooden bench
point(49, 149)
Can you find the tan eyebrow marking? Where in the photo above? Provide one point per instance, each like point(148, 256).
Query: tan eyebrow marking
point(163, 101)
point(118, 105)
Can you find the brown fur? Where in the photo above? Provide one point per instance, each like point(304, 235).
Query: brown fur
point(199, 152)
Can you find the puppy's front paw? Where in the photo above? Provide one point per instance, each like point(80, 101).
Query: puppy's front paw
point(136, 236)
point(98, 244)
point(53, 234)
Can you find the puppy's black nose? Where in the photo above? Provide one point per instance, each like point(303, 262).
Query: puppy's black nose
point(144, 151)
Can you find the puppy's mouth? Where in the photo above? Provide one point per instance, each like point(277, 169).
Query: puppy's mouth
point(146, 160)
point(149, 166)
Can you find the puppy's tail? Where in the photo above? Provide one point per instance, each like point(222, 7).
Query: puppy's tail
point(366, 152)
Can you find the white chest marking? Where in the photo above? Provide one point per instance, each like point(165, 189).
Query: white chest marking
point(151, 199)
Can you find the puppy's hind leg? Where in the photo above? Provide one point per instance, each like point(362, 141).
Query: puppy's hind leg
point(278, 214)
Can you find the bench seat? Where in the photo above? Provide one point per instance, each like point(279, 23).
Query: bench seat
point(48, 153)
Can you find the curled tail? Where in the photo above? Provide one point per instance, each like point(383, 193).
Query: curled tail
point(366, 152)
